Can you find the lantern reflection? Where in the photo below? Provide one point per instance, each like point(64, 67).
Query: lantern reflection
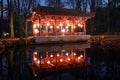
point(55, 59)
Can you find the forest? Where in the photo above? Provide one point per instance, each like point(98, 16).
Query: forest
point(14, 14)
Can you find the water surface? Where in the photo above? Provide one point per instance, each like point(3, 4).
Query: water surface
point(60, 62)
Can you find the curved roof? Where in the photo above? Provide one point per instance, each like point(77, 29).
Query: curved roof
point(61, 11)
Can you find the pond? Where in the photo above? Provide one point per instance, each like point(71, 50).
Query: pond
point(60, 62)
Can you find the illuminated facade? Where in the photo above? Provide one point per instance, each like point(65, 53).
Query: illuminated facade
point(49, 21)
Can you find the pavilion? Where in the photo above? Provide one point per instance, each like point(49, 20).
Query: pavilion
point(58, 21)
point(49, 21)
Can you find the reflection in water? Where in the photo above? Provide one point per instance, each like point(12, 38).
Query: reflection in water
point(60, 62)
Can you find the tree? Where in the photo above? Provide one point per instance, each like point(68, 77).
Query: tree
point(54, 3)
point(22, 9)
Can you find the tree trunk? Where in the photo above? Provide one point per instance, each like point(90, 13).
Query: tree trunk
point(1, 3)
point(11, 20)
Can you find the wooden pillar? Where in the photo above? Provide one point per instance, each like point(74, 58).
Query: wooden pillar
point(84, 55)
point(84, 25)
point(72, 29)
point(46, 30)
point(55, 27)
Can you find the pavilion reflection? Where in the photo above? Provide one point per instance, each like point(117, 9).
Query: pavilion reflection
point(51, 61)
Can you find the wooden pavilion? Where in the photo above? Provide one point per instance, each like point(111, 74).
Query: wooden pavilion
point(48, 21)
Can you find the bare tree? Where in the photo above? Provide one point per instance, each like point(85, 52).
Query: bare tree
point(22, 8)
point(54, 3)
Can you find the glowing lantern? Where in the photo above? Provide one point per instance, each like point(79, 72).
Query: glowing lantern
point(68, 24)
point(67, 54)
point(79, 57)
point(58, 55)
point(34, 13)
point(74, 54)
point(48, 24)
point(79, 24)
point(51, 55)
point(41, 57)
point(34, 25)
point(37, 24)
point(57, 27)
point(36, 31)
point(61, 60)
point(35, 53)
point(74, 27)
point(66, 27)
point(61, 24)
point(68, 59)
point(48, 62)
point(38, 62)
point(35, 59)
point(63, 30)
point(51, 27)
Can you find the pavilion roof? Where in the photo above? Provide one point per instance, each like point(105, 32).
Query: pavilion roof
point(43, 10)
point(62, 11)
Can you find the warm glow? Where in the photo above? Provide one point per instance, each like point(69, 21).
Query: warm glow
point(34, 25)
point(35, 53)
point(51, 55)
point(37, 24)
point(38, 62)
point(67, 54)
point(61, 24)
point(58, 55)
point(41, 57)
point(81, 55)
point(74, 54)
point(68, 59)
point(36, 31)
point(48, 24)
point(63, 30)
point(57, 27)
point(34, 13)
point(61, 60)
point(51, 27)
point(74, 26)
point(68, 24)
point(79, 24)
point(35, 59)
point(48, 62)
point(66, 27)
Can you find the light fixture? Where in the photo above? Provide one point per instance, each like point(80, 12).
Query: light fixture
point(67, 54)
point(48, 24)
point(74, 54)
point(34, 25)
point(51, 27)
point(35, 59)
point(38, 62)
point(61, 24)
point(36, 31)
point(58, 55)
point(35, 53)
point(63, 30)
point(48, 62)
point(81, 55)
point(61, 60)
point(51, 55)
point(74, 27)
point(68, 59)
point(57, 27)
